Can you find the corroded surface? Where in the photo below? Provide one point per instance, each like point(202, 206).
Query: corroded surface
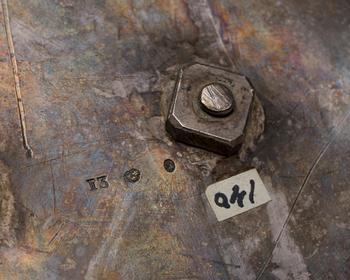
point(96, 77)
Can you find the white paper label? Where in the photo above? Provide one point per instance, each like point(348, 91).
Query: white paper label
point(237, 194)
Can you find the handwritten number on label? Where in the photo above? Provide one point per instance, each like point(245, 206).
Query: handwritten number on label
point(221, 199)
point(236, 195)
point(252, 189)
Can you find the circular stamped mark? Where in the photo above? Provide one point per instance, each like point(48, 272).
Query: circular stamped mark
point(132, 175)
point(169, 165)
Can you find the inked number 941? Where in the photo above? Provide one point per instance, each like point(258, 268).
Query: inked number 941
point(222, 200)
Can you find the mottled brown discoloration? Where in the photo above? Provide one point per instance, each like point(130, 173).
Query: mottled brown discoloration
point(96, 77)
point(7, 209)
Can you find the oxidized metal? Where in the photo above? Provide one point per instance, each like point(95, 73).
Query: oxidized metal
point(95, 77)
point(212, 86)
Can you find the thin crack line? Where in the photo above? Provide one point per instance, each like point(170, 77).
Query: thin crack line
point(210, 260)
point(20, 105)
point(305, 181)
point(220, 41)
point(56, 234)
point(53, 188)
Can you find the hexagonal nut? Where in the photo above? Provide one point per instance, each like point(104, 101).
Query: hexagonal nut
point(187, 122)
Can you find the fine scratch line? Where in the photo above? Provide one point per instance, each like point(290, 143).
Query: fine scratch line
point(16, 79)
point(337, 129)
point(218, 36)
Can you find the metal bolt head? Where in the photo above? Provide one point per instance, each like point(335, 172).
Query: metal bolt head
point(191, 119)
point(217, 100)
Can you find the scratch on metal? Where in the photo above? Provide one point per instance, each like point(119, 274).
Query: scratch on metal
point(53, 188)
point(324, 149)
point(16, 79)
point(209, 12)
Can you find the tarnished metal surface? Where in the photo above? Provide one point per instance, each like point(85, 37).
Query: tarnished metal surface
point(96, 78)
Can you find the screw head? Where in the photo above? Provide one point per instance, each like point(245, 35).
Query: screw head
point(217, 100)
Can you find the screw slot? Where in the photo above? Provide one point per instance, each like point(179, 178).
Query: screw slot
point(216, 100)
